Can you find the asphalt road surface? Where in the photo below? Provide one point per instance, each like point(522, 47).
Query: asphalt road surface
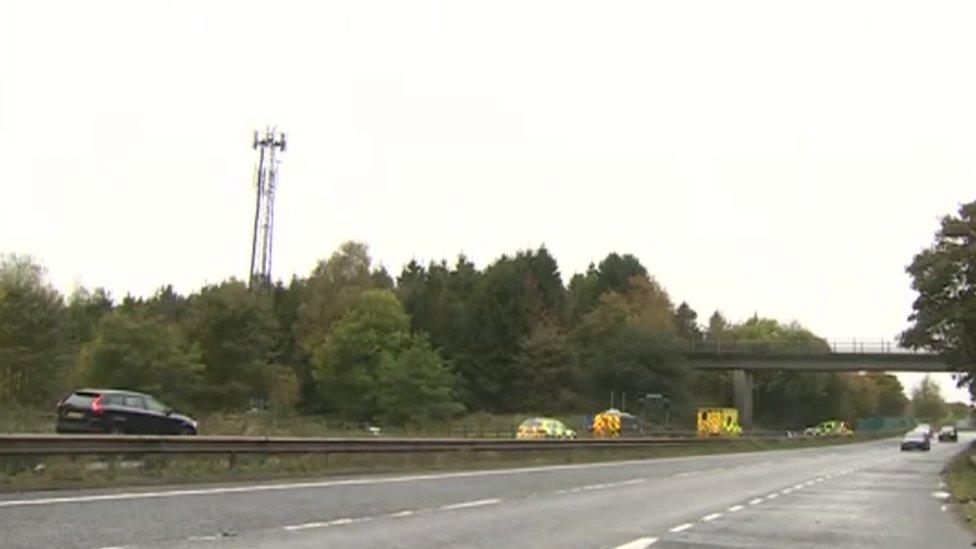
point(860, 495)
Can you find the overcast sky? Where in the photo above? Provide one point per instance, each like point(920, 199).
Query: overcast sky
point(786, 158)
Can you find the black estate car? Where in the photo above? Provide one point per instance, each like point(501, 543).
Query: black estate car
point(120, 412)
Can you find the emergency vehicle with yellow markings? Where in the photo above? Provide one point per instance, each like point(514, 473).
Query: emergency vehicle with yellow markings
point(718, 422)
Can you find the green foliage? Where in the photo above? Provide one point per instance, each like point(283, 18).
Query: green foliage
point(686, 321)
point(137, 351)
point(549, 374)
point(415, 385)
point(717, 327)
point(944, 275)
point(927, 401)
point(628, 344)
point(348, 343)
point(234, 328)
point(371, 367)
point(35, 349)
point(512, 297)
point(85, 309)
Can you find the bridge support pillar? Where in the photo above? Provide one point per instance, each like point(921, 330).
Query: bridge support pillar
point(742, 395)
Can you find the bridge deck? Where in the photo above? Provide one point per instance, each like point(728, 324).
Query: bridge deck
point(821, 362)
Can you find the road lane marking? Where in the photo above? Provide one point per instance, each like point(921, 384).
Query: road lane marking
point(336, 522)
point(939, 494)
point(944, 507)
point(772, 496)
point(346, 482)
point(736, 508)
point(786, 491)
point(469, 504)
point(214, 537)
point(798, 486)
point(756, 501)
point(681, 527)
point(710, 518)
point(401, 514)
point(686, 474)
point(369, 481)
point(639, 543)
point(380, 480)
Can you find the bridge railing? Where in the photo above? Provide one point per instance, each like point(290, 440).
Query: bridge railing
point(846, 346)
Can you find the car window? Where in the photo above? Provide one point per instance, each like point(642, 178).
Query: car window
point(155, 405)
point(132, 401)
point(115, 400)
point(81, 400)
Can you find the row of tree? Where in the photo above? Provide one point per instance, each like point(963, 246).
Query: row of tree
point(352, 342)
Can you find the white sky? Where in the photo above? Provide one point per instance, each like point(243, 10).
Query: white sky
point(779, 157)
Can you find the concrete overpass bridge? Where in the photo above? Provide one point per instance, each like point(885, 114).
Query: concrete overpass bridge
point(745, 358)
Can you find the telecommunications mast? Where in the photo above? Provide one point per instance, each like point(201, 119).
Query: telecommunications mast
point(265, 179)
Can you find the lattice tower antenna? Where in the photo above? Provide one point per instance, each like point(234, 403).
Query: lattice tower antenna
point(266, 180)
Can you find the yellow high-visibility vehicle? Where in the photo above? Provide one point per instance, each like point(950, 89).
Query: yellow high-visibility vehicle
point(543, 427)
point(615, 424)
point(829, 428)
point(722, 422)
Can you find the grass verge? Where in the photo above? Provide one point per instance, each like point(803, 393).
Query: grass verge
point(23, 473)
point(960, 478)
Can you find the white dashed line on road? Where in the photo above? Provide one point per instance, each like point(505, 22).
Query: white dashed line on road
point(681, 527)
point(772, 496)
point(401, 514)
point(786, 491)
point(602, 486)
point(336, 522)
point(736, 508)
point(756, 501)
point(710, 518)
point(639, 543)
point(469, 504)
point(798, 486)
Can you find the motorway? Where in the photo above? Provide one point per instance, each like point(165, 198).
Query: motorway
point(859, 495)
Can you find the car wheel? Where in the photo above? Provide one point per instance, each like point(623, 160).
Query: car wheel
point(187, 431)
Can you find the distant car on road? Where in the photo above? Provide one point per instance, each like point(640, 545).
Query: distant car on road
point(543, 427)
point(948, 433)
point(915, 440)
point(120, 412)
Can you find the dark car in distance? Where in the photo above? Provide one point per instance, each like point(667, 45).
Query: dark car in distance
point(948, 433)
point(119, 412)
point(915, 440)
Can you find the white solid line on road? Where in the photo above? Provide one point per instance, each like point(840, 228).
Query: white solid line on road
point(681, 527)
point(400, 514)
point(336, 522)
point(710, 518)
point(736, 508)
point(469, 504)
point(756, 501)
point(639, 543)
